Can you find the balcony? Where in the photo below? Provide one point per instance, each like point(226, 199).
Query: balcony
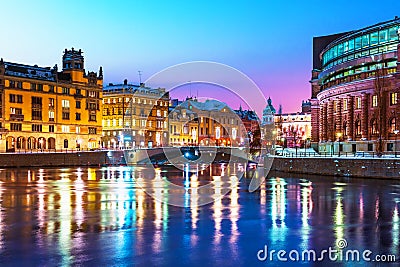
point(16, 117)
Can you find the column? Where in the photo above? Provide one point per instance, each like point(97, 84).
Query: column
point(331, 129)
point(364, 115)
point(350, 123)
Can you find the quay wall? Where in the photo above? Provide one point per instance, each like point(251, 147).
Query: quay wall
point(53, 159)
point(336, 166)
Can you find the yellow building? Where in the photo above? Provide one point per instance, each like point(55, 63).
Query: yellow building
point(183, 127)
point(44, 109)
point(134, 116)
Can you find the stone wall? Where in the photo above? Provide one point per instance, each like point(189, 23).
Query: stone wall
point(369, 168)
point(92, 158)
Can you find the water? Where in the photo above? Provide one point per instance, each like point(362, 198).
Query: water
point(104, 217)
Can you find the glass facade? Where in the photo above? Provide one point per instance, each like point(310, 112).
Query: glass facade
point(378, 41)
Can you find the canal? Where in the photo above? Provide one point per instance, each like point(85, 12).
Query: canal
point(194, 216)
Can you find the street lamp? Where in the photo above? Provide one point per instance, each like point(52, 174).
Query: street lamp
point(395, 142)
point(339, 135)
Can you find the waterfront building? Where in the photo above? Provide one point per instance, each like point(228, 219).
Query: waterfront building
point(293, 129)
point(42, 108)
point(134, 116)
point(355, 89)
point(268, 131)
point(251, 123)
point(218, 124)
point(183, 125)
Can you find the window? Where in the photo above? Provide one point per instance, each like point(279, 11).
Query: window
point(358, 102)
point(19, 85)
point(12, 84)
point(358, 127)
point(158, 113)
point(383, 36)
point(36, 114)
point(65, 128)
point(344, 104)
point(65, 143)
point(65, 90)
point(393, 34)
point(33, 86)
point(78, 104)
point(92, 130)
point(51, 88)
point(16, 126)
point(78, 116)
point(51, 115)
point(374, 100)
point(365, 40)
point(51, 128)
point(78, 91)
point(15, 98)
point(77, 129)
point(40, 87)
point(393, 98)
point(15, 110)
point(51, 102)
point(392, 125)
point(65, 103)
point(93, 94)
point(36, 127)
point(373, 38)
point(65, 115)
point(92, 117)
point(374, 127)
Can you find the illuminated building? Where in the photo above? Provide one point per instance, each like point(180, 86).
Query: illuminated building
point(294, 128)
point(134, 116)
point(250, 122)
point(183, 125)
point(44, 109)
point(218, 123)
point(355, 89)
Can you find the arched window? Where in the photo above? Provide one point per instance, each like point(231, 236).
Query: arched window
point(358, 127)
point(374, 127)
point(65, 143)
point(392, 125)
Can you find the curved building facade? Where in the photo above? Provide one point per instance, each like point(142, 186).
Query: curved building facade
point(356, 89)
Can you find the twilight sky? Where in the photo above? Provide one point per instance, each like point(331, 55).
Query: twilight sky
point(269, 41)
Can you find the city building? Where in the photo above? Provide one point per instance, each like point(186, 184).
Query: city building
point(134, 116)
point(355, 89)
point(183, 125)
point(267, 125)
point(42, 108)
point(218, 124)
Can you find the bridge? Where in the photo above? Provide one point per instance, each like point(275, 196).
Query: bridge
point(181, 155)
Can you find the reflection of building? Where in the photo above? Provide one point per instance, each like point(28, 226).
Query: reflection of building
point(355, 88)
point(42, 108)
point(134, 116)
point(183, 125)
point(218, 123)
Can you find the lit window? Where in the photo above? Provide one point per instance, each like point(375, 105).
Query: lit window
point(65, 103)
point(65, 128)
point(374, 100)
point(358, 102)
point(344, 104)
point(393, 98)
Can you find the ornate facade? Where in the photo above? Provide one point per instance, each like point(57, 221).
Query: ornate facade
point(43, 109)
point(134, 116)
point(355, 89)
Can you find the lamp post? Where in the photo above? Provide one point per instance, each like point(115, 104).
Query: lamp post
point(339, 135)
point(395, 142)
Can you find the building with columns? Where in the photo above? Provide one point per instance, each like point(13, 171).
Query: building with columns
point(355, 89)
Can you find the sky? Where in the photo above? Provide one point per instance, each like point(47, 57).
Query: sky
point(268, 41)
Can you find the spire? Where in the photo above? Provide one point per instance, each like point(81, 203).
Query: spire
point(101, 72)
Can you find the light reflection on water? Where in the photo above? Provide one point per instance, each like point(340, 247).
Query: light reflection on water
point(103, 216)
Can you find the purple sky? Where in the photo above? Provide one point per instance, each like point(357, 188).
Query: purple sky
point(269, 41)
